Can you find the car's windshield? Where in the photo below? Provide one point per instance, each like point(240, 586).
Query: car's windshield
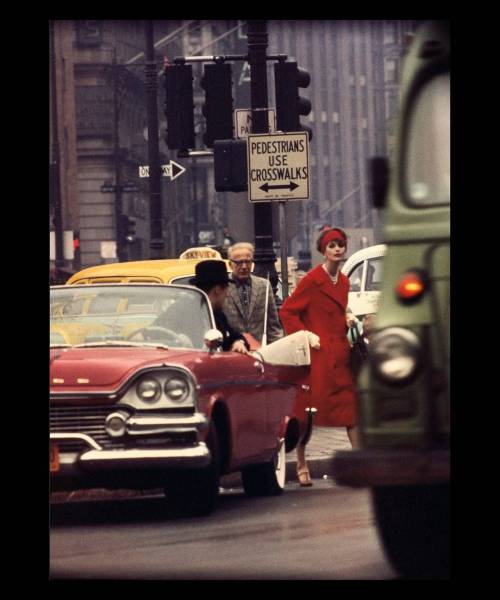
point(128, 314)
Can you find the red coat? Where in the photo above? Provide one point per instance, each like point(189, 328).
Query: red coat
point(319, 306)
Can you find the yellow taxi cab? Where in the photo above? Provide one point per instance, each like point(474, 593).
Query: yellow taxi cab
point(166, 270)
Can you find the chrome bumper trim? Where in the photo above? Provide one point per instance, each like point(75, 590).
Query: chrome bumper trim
point(144, 425)
point(197, 456)
point(98, 458)
point(76, 436)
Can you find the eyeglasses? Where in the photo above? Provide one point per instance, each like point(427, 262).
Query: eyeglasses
point(242, 262)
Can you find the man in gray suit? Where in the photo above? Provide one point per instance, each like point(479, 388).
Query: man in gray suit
point(245, 303)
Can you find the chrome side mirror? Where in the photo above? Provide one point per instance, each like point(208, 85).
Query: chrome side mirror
point(213, 340)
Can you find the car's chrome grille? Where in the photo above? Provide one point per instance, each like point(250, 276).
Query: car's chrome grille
point(82, 419)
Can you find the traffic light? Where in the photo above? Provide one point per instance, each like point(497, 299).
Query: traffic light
point(218, 107)
point(288, 78)
point(378, 169)
point(230, 166)
point(179, 107)
point(128, 228)
point(130, 231)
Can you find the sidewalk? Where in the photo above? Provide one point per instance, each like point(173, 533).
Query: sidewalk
point(324, 442)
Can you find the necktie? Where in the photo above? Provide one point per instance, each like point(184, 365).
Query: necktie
point(245, 296)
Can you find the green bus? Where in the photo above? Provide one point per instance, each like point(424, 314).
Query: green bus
point(403, 389)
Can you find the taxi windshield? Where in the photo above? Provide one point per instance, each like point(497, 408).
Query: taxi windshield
point(115, 315)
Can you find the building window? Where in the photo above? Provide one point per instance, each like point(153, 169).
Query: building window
point(353, 106)
point(391, 104)
point(369, 219)
point(390, 70)
point(88, 33)
point(390, 32)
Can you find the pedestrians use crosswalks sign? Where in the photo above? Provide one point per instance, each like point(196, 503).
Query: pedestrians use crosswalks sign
point(278, 167)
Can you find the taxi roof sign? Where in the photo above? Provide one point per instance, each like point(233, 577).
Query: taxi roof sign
point(201, 252)
point(278, 166)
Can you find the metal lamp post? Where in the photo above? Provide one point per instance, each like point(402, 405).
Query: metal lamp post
point(265, 256)
point(157, 243)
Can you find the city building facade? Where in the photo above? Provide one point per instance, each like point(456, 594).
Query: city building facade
point(98, 87)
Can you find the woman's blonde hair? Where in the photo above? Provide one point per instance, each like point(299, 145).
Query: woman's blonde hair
point(240, 246)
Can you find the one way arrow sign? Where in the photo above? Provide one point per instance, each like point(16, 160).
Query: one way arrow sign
point(171, 170)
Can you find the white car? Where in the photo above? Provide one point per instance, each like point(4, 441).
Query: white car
point(364, 270)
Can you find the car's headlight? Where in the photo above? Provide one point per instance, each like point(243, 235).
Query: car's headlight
point(395, 354)
point(161, 389)
point(149, 390)
point(176, 389)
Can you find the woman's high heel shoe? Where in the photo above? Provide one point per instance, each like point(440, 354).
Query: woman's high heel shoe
point(304, 477)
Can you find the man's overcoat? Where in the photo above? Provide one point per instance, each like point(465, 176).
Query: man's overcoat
point(319, 305)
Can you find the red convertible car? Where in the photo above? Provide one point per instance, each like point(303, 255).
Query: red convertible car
point(137, 405)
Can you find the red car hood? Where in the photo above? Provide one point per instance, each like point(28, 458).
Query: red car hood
point(104, 369)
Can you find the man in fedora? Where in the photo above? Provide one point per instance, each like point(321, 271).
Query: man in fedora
point(211, 277)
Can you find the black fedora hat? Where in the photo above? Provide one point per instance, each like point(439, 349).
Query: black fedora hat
point(210, 273)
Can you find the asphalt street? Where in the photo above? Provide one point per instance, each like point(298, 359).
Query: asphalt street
point(322, 532)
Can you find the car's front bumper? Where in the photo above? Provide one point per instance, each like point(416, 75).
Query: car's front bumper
point(132, 457)
point(105, 460)
point(392, 466)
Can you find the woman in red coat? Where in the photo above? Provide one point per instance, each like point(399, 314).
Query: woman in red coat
point(319, 304)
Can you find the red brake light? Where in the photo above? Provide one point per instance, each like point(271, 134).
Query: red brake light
point(410, 286)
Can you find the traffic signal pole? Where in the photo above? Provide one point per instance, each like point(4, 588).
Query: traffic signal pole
point(157, 243)
point(120, 234)
point(265, 257)
point(55, 188)
point(230, 155)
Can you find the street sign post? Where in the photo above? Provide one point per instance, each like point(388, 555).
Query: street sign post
point(243, 121)
point(171, 170)
point(278, 167)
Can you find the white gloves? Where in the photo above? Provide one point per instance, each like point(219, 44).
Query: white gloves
point(351, 319)
point(313, 340)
